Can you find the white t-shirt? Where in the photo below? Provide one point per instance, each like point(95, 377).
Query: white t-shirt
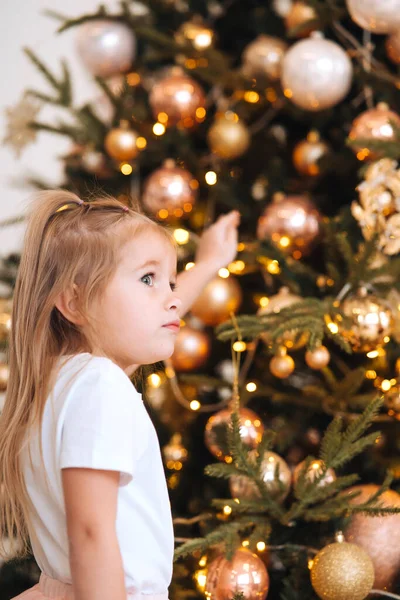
point(95, 418)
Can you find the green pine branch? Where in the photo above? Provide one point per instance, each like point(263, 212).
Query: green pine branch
point(62, 86)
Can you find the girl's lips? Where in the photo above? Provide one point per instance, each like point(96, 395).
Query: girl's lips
point(173, 325)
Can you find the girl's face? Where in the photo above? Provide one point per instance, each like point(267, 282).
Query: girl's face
point(137, 317)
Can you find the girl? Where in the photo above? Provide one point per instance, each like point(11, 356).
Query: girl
point(81, 471)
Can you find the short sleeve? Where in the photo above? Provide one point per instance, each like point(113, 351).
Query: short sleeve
point(104, 424)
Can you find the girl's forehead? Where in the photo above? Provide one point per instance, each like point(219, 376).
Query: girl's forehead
point(149, 244)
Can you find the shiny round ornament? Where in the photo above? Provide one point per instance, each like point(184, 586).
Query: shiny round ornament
point(228, 137)
point(315, 470)
point(282, 7)
point(342, 571)
point(221, 297)
point(292, 223)
point(175, 453)
point(179, 98)
point(243, 487)
point(373, 124)
point(170, 191)
point(299, 14)
point(316, 73)
point(106, 46)
point(4, 376)
point(370, 321)
point(245, 573)
point(282, 299)
point(308, 152)
point(120, 142)
point(5, 318)
point(375, 15)
point(281, 366)
point(93, 161)
point(378, 536)
point(263, 57)
point(192, 349)
point(251, 431)
point(392, 45)
point(318, 358)
point(196, 33)
point(392, 400)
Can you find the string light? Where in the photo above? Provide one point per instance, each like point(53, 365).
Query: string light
point(126, 169)
point(154, 380)
point(264, 301)
point(158, 129)
point(189, 266)
point(227, 510)
point(239, 346)
point(195, 405)
point(224, 273)
point(141, 143)
point(261, 546)
point(211, 177)
point(251, 386)
point(181, 236)
point(386, 385)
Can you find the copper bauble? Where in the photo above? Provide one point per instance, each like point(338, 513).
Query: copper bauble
point(300, 13)
point(379, 536)
point(245, 573)
point(283, 299)
point(221, 297)
point(243, 487)
point(281, 366)
point(307, 154)
point(318, 358)
point(314, 470)
point(251, 430)
point(342, 571)
point(375, 15)
point(170, 191)
point(263, 57)
point(120, 142)
point(5, 318)
point(228, 137)
point(292, 223)
point(4, 376)
point(192, 348)
point(316, 73)
point(373, 124)
point(370, 321)
point(180, 98)
point(393, 47)
point(197, 34)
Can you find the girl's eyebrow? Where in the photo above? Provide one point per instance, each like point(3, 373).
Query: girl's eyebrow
point(149, 263)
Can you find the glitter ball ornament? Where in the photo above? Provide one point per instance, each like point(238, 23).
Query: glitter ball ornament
point(370, 321)
point(316, 73)
point(342, 571)
point(221, 297)
point(378, 536)
point(392, 45)
point(318, 358)
point(263, 57)
point(243, 487)
point(298, 19)
point(374, 124)
point(375, 15)
point(228, 137)
point(170, 191)
point(293, 223)
point(177, 99)
point(196, 33)
point(251, 431)
point(315, 469)
point(192, 348)
point(282, 365)
point(106, 46)
point(308, 152)
point(282, 299)
point(245, 573)
point(120, 142)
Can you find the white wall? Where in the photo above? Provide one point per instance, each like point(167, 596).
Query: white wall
point(22, 23)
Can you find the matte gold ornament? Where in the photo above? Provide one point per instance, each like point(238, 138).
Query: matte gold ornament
point(221, 297)
point(318, 358)
point(282, 365)
point(378, 536)
point(243, 487)
point(299, 14)
point(293, 223)
point(316, 73)
point(392, 45)
point(196, 33)
point(371, 321)
point(315, 469)
point(251, 430)
point(245, 573)
point(4, 376)
point(228, 137)
point(342, 571)
point(308, 152)
point(263, 57)
point(375, 15)
point(282, 299)
point(192, 349)
point(170, 191)
point(120, 142)
point(373, 124)
point(178, 97)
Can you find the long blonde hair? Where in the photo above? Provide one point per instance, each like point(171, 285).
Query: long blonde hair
point(67, 242)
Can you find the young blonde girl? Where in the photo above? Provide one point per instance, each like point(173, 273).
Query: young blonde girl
point(80, 466)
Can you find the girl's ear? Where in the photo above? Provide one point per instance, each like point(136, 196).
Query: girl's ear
point(67, 304)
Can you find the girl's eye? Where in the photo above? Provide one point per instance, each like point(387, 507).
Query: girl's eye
point(148, 279)
point(173, 286)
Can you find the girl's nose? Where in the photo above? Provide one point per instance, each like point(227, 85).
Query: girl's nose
point(174, 303)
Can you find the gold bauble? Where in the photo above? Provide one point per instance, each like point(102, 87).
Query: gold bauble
point(94, 162)
point(120, 142)
point(293, 223)
point(370, 321)
point(318, 358)
point(282, 366)
point(245, 573)
point(378, 536)
point(342, 571)
point(5, 318)
point(175, 453)
point(192, 348)
point(4, 376)
point(282, 299)
point(251, 431)
point(393, 47)
point(373, 124)
point(197, 34)
point(221, 297)
point(300, 13)
point(307, 153)
point(228, 137)
point(315, 469)
point(177, 99)
point(243, 487)
point(263, 57)
point(392, 400)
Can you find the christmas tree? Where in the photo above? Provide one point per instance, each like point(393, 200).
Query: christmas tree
point(278, 413)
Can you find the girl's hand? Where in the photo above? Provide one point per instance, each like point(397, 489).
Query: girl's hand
point(218, 244)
